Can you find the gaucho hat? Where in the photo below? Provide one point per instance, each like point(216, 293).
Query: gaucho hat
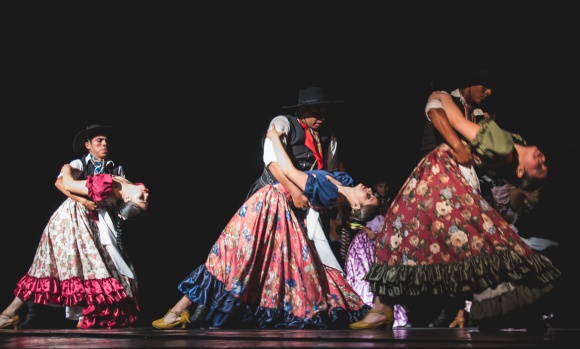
point(87, 134)
point(475, 77)
point(451, 78)
point(311, 96)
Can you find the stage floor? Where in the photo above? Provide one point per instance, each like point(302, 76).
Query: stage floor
point(225, 339)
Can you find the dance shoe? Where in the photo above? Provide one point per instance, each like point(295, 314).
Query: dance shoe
point(183, 320)
point(14, 320)
point(387, 322)
point(459, 321)
point(197, 320)
point(446, 316)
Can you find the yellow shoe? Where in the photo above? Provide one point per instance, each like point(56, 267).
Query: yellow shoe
point(459, 321)
point(387, 322)
point(14, 320)
point(183, 320)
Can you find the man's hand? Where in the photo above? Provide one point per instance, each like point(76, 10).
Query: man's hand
point(300, 201)
point(90, 205)
point(463, 155)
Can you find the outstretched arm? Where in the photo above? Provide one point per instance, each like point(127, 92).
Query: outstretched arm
point(298, 198)
point(456, 119)
point(284, 163)
point(498, 146)
point(70, 184)
point(89, 204)
point(439, 119)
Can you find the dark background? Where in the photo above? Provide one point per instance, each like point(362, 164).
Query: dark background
point(192, 85)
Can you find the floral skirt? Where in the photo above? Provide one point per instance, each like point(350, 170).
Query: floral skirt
point(263, 272)
point(72, 268)
point(440, 237)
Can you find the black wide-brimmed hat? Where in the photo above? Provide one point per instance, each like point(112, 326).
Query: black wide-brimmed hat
point(311, 96)
point(460, 77)
point(87, 134)
point(482, 76)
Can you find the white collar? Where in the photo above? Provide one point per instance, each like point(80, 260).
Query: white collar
point(107, 161)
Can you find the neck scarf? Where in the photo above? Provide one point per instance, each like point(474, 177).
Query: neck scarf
point(313, 143)
point(99, 165)
point(467, 109)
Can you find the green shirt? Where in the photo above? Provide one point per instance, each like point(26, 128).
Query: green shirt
point(493, 143)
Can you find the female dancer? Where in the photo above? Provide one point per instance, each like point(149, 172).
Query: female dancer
point(263, 271)
point(440, 237)
point(71, 266)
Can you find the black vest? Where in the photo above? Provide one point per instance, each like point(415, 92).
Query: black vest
point(89, 168)
point(302, 157)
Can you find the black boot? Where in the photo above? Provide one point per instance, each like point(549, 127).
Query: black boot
point(31, 318)
point(446, 316)
point(197, 319)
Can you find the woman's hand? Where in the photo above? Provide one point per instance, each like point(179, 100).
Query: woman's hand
point(273, 132)
point(66, 172)
point(439, 95)
point(369, 232)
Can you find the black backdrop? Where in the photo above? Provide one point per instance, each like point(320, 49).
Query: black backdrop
point(191, 86)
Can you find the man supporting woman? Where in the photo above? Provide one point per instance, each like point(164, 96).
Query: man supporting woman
point(441, 238)
point(73, 266)
point(264, 272)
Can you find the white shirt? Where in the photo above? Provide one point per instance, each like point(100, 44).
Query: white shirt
point(282, 123)
point(436, 104)
point(314, 227)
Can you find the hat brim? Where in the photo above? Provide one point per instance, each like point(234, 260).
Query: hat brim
point(306, 104)
point(81, 137)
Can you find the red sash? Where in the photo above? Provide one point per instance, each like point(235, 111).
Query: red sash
point(312, 139)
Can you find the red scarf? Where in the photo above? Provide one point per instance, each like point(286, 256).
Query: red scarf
point(313, 143)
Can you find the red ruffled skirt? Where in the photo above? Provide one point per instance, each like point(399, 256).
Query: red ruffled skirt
point(72, 268)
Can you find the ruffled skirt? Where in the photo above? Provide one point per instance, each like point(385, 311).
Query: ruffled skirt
point(72, 268)
point(263, 272)
point(440, 237)
point(358, 261)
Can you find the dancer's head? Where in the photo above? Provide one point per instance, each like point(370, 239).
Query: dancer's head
point(365, 206)
point(529, 171)
point(134, 202)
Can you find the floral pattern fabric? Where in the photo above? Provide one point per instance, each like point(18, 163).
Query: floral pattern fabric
point(441, 237)
point(263, 272)
point(72, 268)
point(359, 258)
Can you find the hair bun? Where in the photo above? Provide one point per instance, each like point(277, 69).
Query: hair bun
point(364, 214)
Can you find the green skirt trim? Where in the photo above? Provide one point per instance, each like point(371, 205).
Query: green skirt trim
point(500, 305)
point(463, 278)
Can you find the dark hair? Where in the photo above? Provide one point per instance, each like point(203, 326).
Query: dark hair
point(130, 210)
point(526, 182)
point(364, 214)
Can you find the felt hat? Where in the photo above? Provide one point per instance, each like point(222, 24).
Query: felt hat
point(87, 134)
point(460, 77)
point(476, 77)
point(311, 96)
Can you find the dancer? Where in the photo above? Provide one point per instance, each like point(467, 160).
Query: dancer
point(440, 237)
point(312, 144)
point(360, 257)
point(264, 272)
point(72, 268)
